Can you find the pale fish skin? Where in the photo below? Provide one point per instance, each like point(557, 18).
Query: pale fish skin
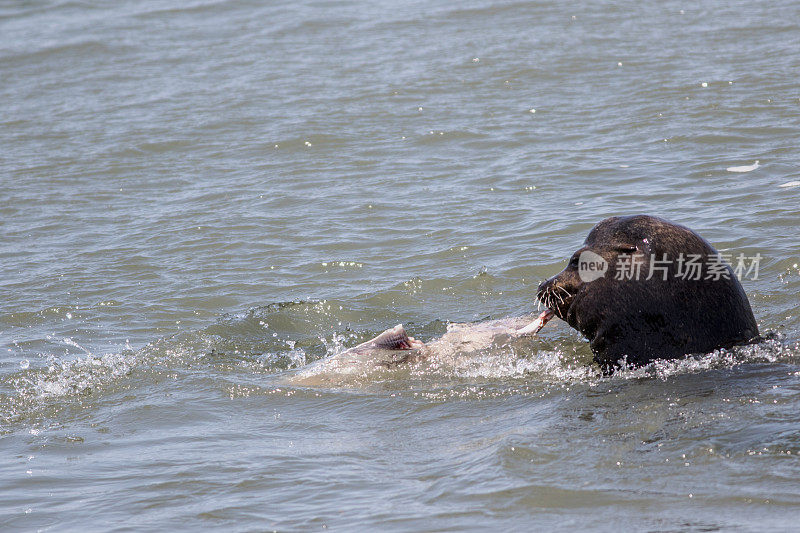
point(394, 348)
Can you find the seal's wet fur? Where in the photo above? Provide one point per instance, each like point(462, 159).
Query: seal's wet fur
point(639, 320)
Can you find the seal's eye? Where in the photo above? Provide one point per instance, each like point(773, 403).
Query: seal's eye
point(627, 249)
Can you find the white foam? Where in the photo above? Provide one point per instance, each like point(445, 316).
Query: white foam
point(790, 184)
point(545, 364)
point(745, 168)
point(768, 351)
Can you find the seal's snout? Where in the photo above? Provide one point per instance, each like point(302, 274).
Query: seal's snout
point(543, 294)
point(556, 294)
point(542, 288)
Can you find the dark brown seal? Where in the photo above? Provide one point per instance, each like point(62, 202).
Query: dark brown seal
point(642, 288)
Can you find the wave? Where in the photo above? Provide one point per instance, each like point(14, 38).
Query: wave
point(265, 346)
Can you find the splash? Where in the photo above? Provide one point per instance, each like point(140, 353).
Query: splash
point(267, 345)
point(529, 360)
point(770, 350)
point(261, 341)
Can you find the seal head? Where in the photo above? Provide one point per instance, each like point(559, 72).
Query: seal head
point(642, 288)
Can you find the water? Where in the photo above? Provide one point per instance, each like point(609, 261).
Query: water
point(199, 198)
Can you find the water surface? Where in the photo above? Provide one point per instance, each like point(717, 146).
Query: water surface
point(197, 198)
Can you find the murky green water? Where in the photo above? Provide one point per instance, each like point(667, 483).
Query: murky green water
point(197, 198)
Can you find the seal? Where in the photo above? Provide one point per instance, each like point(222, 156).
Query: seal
point(642, 288)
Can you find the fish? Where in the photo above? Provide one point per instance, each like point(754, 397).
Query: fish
point(395, 348)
